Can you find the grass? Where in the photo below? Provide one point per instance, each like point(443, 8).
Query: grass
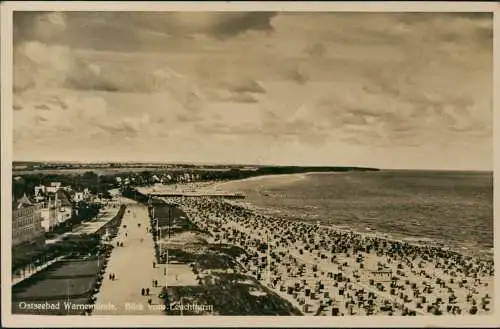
point(230, 294)
point(72, 269)
point(56, 288)
point(76, 278)
point(177, 219)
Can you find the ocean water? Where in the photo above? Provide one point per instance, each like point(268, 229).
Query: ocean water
point(454, 209)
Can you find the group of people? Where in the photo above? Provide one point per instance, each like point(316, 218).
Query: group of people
point(112, 276)
point(422, 279)
point(145, 292)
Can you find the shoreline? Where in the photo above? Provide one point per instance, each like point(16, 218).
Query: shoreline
point(216, 186)
point(291, 178)
point(408, 239)
point(298, 244)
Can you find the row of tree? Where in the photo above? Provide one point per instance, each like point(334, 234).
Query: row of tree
point(149, 177)
point(71, 244)
point(98, 185)
point(82, 212)
point(235, 173)
point(101, 184)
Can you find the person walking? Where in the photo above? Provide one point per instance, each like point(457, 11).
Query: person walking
point(154, 264)
point(143, 291)
point(147, 291)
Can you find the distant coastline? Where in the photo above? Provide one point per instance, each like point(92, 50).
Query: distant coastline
point(224, 172)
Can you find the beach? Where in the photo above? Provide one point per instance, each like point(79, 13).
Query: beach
point(326, 271)
point(329, 269)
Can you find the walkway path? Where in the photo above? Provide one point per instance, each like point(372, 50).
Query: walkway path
point(132, 265)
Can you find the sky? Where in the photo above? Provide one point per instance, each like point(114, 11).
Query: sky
point(386, 90)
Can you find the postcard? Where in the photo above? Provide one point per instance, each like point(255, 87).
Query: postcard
point(269, 164)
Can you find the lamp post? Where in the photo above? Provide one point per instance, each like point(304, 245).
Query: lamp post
point(182, 306)
point(166, 271)
point(67, 292)
point(268, 261)
point(168, 239)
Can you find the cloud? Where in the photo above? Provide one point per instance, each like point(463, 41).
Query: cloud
point(37, 65)
point(212, 23)
point(125, 127)
point(224, 129)
point(239, 23)
point(160, 29)
point(44, 116)
point(309, 80)
point(318, 49)
point(226, 95)
point(246, 86)
point(298, 75)
point(41, 26)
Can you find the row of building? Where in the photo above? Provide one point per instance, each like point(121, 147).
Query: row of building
point(160, 178)
point(47, 208)
point(52, 205)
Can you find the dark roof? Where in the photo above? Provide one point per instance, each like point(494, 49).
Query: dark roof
point(63, 198)
point(22, 202)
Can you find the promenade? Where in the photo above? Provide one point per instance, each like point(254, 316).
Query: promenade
point(132, 265)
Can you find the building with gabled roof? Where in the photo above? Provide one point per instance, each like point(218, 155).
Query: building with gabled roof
point(26, 221)
point(64, 206)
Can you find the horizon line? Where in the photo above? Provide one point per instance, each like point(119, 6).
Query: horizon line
point(158, 162)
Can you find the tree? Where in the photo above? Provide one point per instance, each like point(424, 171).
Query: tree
point(91, 180)
point(145, 176)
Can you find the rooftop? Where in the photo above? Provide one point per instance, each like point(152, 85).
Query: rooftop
point(22, 202)
point(63, 198)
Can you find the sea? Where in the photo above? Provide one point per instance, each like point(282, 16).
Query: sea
point(445, 208)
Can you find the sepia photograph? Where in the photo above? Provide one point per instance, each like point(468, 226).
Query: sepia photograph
point(276, 162)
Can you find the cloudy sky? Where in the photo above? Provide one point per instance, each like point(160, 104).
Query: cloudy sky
point(391, 90)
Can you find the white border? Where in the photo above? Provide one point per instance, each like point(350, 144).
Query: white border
point(10, 320)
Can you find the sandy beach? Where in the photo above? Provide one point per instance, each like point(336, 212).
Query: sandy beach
point(326, 271)
point(225, 186)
